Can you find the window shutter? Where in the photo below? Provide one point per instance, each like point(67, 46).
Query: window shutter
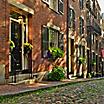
point(60, 6)
point(46, 1)
point(81, 26)
point(61, 41)
point(44, 43)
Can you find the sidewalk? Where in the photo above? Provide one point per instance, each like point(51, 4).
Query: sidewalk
point(22, 88)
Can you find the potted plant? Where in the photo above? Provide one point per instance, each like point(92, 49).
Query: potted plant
point(55, 53)
point(27, 48)
point(12, 45)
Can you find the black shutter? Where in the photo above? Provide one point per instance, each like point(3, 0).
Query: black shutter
point(60, 6)
point(69, 17)
point(61, 41)
point(45, 40)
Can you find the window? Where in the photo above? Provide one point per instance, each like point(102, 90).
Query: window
point(71, 15)
point(60, 6)
point(56, 5)
point(93, 38)
point(91, 2)
point(81, 28)
point(88, 4)
point(81, 3)
point(46, 1)
point(88, 39)
point(88, 18)
point(51, 38)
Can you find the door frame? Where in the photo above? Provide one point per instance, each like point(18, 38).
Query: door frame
point(23, 29)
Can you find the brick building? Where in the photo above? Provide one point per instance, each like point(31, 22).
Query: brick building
point(44, 24)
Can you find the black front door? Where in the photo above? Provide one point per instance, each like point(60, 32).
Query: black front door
point(16, 55)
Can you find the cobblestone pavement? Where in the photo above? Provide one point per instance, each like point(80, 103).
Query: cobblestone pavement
point(91, 92)
point(13, 88)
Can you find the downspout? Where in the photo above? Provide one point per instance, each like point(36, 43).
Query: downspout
point(67, 33)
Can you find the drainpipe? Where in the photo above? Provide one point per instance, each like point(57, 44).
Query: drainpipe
point(90, 51)
point(67, 33)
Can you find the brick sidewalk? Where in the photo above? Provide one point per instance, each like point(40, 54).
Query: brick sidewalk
point(21, 88)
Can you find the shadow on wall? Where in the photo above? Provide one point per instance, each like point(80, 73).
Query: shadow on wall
point(44, 15)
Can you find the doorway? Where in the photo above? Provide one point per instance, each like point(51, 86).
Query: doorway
point(16, 54)
point(18, 35)
point(71, 57)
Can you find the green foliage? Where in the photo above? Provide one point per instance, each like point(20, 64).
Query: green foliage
point(12, 45)
point(92, 74)
point(27, 47)
point(93, 62)
point(56, 74)
point(82, 59)
point(56, 52)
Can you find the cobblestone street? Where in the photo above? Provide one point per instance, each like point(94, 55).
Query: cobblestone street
point(91, 92)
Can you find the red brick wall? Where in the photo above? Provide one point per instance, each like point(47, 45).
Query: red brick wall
point(42, 16)
point(4, 35)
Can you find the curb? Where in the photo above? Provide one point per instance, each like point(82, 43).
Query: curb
point(59, 84)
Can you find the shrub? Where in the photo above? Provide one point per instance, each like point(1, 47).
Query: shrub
point(56, 74)
point(92, 74)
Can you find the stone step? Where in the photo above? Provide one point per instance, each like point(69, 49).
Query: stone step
point(71, 76)
point(28, 81)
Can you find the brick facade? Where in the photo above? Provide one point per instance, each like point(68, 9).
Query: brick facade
point(43, 15)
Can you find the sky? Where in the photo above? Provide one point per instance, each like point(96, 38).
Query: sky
point(101, 3)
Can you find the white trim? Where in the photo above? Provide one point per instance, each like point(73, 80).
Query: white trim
point(71, 7)
point(53, 26)
point(21, 6)
point(82, 17)
point(88, 48)
point(12, 19)
point(9, 50)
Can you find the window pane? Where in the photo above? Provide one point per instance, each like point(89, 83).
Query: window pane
point(53, 38)
point(71, 15)
point(81, 26)
point(54, 5)
point(61, 5)
point(81, 2)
